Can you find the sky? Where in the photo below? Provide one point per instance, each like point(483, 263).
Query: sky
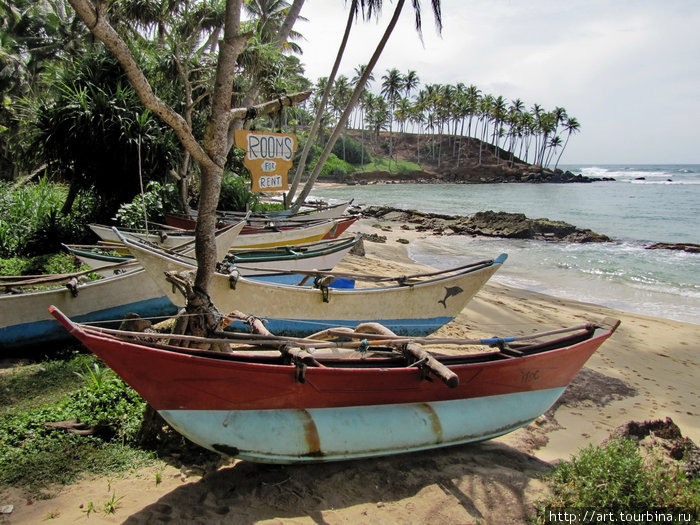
point(627, 70)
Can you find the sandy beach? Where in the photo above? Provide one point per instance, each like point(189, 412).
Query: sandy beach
point(647, 370)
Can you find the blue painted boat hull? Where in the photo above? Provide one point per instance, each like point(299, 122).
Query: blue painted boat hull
point(25, 321)
point(24, 335)
point(340, 433)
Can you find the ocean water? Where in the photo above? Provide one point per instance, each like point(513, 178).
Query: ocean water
point(645, 204)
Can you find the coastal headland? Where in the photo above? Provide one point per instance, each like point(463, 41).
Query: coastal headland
point(455, 160)
point(644, 372)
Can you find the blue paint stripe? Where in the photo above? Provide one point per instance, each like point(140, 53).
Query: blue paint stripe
point(50, 331)
point(284, 436)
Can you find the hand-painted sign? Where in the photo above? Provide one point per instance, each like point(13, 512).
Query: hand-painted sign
point(268, 157)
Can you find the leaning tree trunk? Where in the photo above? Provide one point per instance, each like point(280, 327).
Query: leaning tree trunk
point(351, 104)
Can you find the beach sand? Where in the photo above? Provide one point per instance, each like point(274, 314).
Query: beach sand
point(647, 370)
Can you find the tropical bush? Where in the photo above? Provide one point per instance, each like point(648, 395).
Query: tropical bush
point(93, 132)
point(351, 150)
point(34, 454)
point(155, 202)
point(235, 194)
point(41, 264)
point(336, 168)
point(616, 477)
point(31, 222)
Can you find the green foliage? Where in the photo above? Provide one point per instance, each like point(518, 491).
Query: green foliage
point(235, 194)
point(95, 378)
point(94, 132)
point(617, 477)
point(107, 400)
point(336, 168)
point(31, 222)
point(333, 168)
point(351, 151)
point(393, 166)
point(35, 455)
point(39, 265)
point(158, 200)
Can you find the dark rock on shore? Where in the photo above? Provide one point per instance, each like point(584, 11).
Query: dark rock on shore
point(663, 439)
point(488, 223)
point(486, 174)
point(682, 246)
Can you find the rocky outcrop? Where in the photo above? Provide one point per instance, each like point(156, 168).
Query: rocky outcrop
point(488, 223)
point(681, 246)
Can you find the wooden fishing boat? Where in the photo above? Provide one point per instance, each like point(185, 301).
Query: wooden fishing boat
point(174, 239)
point(411, 305)
point(127, 288)
point(266, 238)
point(315, 213)
point(262, 226)
point(323, 255)
point(296, 405)
point(25, 321)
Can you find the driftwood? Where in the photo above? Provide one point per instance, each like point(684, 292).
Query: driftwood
point(73, 426)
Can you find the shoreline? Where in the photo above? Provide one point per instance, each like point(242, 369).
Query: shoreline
point(665, 343)
point(644, 372)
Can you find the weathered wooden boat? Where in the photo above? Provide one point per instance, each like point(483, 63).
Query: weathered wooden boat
point(296, 405)
point(127, 288)
point(254, 226)
point(25, 321)
point(174, 239)
point(322, 255)
point(267, 238)
point(411, 305)
point(309, 213)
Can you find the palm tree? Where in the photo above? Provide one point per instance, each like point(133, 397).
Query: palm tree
point(554, 143)
point(485, 112)
point(392, 84)
point(301, 166)
point(536, 112)
point(571, 126)
point(269, 15)
point(402, 112)
point(212, 152)
point(341, 93)
point(359, 70)
point(410, 82)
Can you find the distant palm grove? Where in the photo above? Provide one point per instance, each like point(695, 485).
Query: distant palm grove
point(70, 112)
point(401, 105)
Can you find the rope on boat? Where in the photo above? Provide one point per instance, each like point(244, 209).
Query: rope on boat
point(32, 280)
point(365, 339)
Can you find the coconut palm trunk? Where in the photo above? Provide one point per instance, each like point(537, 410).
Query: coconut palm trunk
point(351, 104)
point(322, 106)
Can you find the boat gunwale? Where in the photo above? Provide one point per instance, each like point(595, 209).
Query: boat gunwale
point(448, 275)
point(584, 335)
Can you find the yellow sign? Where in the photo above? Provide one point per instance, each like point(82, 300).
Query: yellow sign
point(268, 157)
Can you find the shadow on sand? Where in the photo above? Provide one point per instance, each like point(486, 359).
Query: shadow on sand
point(482, 479)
